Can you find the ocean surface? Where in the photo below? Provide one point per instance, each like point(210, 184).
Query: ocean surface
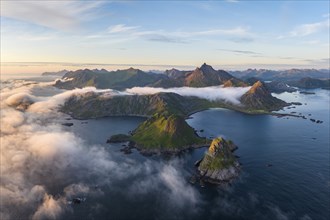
point(285, 168)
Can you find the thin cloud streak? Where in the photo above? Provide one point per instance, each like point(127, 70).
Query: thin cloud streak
point(308, 29)
point(165, 39)
point(304, 30)
point(58, 15)
point(121, 28)
point(129, 33)
point(240, 51)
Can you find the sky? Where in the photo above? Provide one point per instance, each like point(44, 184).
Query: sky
point(39, 36)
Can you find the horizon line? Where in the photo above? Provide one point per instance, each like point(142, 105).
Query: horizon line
point(229, 66)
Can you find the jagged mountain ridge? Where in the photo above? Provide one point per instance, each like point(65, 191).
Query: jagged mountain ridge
point(282, 75)
point(121, 79)
point(60, 73)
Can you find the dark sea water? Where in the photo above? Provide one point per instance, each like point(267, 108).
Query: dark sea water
point(296, 186)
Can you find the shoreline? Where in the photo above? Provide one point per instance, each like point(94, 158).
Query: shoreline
point(150, 152)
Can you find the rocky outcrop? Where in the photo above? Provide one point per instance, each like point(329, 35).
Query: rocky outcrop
point(119, 138)
point(219, 165)
point(221, 175)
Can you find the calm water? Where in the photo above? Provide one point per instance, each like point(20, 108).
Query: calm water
point(296, 186)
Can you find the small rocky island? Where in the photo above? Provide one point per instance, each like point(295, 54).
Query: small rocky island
point(162, 133)
point(219, 164)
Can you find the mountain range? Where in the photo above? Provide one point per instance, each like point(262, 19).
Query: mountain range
point(121, 79)
point(282, 75)
point(202, 76)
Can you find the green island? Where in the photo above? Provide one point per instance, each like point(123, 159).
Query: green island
point(166, 134)
point(165, 129)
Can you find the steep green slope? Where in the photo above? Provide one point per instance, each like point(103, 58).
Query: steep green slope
point(166, 133)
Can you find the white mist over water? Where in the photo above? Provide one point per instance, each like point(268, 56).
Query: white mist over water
point(38, 153)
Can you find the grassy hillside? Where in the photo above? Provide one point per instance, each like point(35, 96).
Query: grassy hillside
point(166, 133)
point(93, 105)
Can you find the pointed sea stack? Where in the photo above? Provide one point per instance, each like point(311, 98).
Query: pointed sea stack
point(259, 98)
point(219, 164)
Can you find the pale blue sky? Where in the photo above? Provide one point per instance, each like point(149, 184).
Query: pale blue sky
point(226, 34)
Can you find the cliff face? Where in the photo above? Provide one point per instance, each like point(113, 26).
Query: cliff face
point(219, 164)
point(259, 98)
point(162, 133)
